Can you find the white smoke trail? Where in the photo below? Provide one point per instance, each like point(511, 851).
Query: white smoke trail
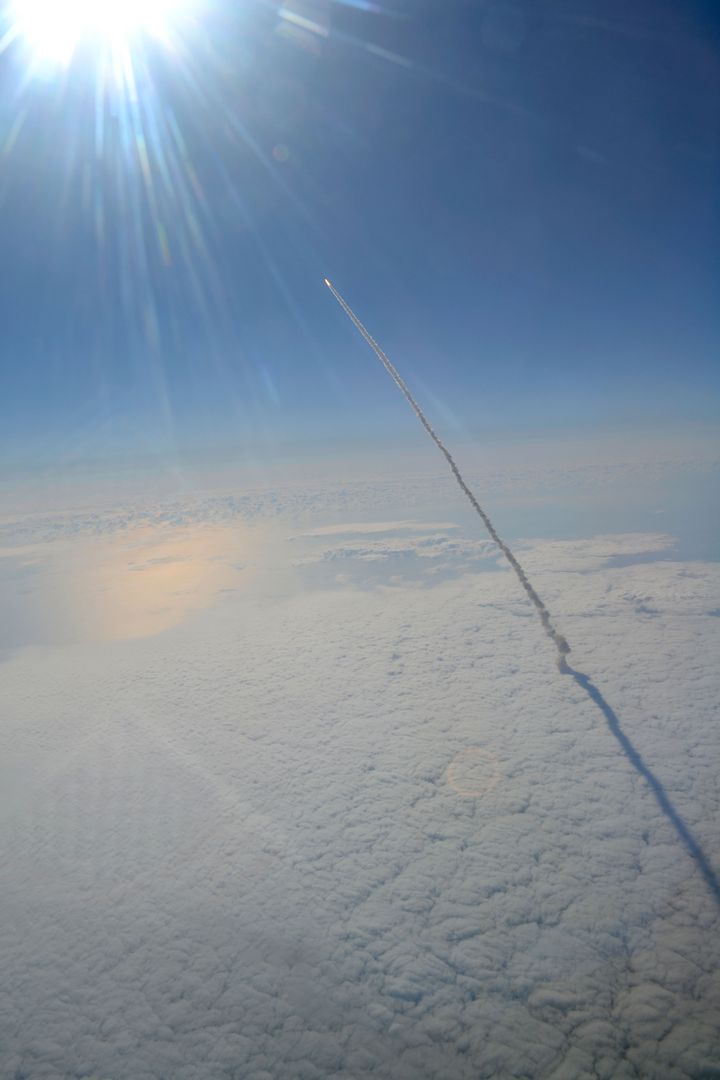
point(555, 636)
point(629, 749)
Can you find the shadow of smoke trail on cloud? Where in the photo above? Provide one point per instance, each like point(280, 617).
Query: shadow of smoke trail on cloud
point(559, 641)
point(637, 761)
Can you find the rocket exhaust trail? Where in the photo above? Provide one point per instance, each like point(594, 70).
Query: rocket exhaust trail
point(562, 648)
point(555, 636)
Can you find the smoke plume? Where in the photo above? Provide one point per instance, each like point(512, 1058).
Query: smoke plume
point(559, 641)
point(555, 636)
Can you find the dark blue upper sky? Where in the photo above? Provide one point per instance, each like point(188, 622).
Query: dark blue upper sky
point(521, 200)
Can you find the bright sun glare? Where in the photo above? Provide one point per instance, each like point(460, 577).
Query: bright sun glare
point(54, 28)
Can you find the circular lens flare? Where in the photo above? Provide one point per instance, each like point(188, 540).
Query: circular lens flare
point(53, 29)
point(473, 772)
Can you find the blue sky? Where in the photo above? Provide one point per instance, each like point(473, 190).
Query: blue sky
point(519, 199)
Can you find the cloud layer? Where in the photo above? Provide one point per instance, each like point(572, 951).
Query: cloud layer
point(360, 832)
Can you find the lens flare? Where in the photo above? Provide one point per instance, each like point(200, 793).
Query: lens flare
point(473, 772)
point(54, 30)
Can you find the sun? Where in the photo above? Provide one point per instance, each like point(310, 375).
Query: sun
point(53, 29)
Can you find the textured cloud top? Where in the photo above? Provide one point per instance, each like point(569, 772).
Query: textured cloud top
point(347, 819)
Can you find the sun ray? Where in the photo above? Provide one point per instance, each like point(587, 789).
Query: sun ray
point(54, 31)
